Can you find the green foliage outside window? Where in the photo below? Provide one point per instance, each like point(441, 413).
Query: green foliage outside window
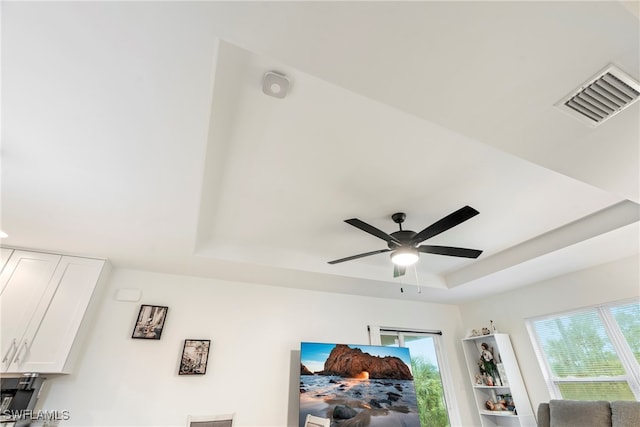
point(433, 412)
point(603, 390)
point(628, 320)
point(582, 348)
point(584, 363)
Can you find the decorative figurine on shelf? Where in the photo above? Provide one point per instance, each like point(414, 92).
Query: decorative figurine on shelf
point(496, 406)
point(494, 330)
point(508, 402)
point(479, 380)
point(488, 364)
point(485, 331)
point(488, 380)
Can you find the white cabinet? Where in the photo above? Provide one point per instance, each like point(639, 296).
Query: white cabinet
point(502, 382)
point(23, 284)
point(44, 299)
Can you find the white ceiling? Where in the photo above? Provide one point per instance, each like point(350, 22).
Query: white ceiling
point(138, 132)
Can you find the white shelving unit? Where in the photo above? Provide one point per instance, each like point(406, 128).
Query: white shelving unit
point(509, 383)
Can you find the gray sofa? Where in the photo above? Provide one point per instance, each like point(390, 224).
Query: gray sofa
point(576, 413)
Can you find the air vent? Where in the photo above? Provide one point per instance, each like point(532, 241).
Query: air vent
point(602, 96)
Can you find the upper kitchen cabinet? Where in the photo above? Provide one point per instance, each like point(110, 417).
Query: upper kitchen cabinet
point(45, 300)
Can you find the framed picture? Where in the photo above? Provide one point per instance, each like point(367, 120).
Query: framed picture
point(195, 354)
point(378, 373)
point(150, 322)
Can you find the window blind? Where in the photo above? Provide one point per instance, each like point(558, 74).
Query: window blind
point(627, 318)
point(577, 345)
point(590, 354)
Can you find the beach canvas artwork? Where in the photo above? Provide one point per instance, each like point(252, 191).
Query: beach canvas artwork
point(357, 385)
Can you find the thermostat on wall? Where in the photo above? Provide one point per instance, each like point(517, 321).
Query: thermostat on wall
point(132, 295)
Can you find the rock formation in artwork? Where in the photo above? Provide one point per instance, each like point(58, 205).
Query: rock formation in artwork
point(304, 370)
point(353, 363)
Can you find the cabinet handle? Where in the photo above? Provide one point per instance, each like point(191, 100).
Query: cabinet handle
point(6, 356)
point(24, 345)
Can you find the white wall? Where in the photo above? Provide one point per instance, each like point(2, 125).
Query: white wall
point(609, 282)
point(253, 368)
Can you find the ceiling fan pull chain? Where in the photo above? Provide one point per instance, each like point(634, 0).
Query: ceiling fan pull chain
point(415, 270)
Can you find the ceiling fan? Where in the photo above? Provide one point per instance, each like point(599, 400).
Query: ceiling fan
point(405, 246)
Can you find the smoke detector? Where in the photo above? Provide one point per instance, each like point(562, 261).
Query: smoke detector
point(275, 84)
point(601, 97)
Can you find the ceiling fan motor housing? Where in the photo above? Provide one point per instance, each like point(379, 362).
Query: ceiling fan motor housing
point(403, 236)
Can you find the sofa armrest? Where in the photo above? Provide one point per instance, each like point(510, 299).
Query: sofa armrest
point(625, 413)
point(544, 419)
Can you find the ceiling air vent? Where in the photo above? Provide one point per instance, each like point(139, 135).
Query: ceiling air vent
point(602, 96)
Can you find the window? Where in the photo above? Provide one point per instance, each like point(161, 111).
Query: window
point(429, 378)
point(590, 354)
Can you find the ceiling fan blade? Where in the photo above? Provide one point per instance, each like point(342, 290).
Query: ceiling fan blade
point(349, 258)
point(399, 270)
point(451, 251)
point(449, 221)
point(371, 230)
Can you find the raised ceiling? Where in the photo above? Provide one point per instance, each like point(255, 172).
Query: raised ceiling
point(139, 132)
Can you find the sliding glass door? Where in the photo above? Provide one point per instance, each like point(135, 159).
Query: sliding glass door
point(423, 348)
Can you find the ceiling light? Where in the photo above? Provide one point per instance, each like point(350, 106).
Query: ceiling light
point(275, 84)
point(404, 256)
point(3, 235)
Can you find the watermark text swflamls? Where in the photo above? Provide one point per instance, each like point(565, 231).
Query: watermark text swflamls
point(42, 415)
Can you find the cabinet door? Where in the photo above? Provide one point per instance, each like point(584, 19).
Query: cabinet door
point(23, 283)
point(46, 345)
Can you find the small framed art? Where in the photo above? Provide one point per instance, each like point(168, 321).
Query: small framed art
point(150, 322)
point(195, 354)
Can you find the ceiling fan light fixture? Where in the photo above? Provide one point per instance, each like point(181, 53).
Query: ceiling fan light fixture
point(405, 256)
